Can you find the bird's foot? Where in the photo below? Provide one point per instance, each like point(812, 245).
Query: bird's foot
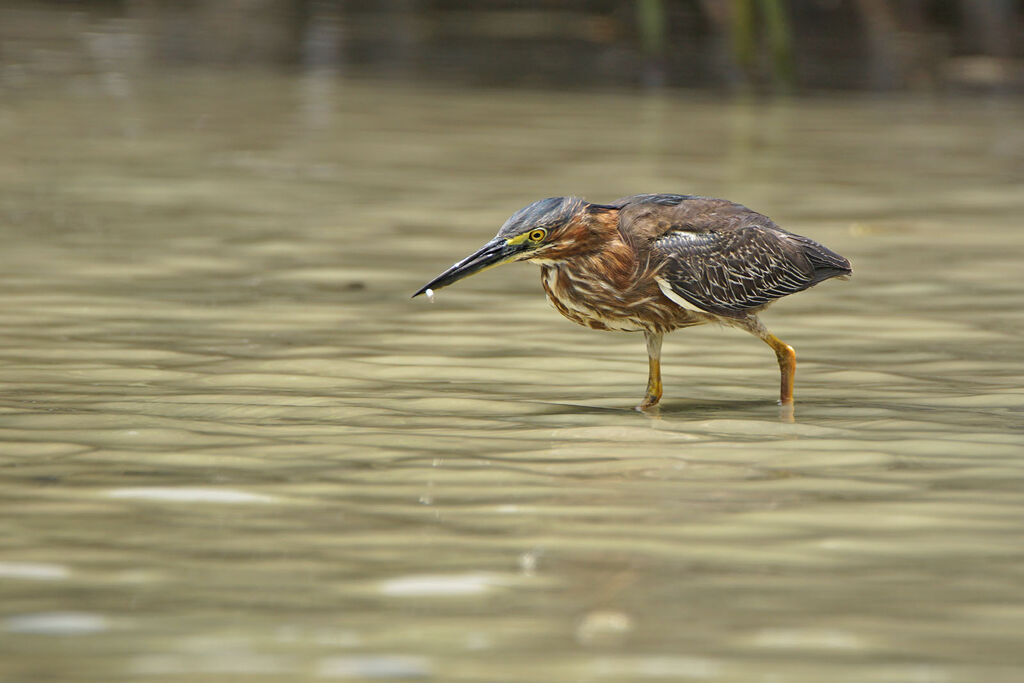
point(648, 403)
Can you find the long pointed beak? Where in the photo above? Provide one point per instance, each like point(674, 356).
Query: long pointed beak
point(494, 253)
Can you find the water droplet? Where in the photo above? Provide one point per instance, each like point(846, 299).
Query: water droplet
point(528, 562)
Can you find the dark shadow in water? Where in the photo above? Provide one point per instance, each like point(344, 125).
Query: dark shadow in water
point(717, 407)
point(738, 409)
point(559, 408)
point(734, 409)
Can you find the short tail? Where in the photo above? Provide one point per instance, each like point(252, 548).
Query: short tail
point(826, 263)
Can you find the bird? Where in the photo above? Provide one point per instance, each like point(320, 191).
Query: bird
point(654, 263)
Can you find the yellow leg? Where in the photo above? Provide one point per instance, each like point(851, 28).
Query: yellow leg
point(787, 367)
point(783, 351)
point(654, 387)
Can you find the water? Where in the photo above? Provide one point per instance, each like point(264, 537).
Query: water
point(234, 448)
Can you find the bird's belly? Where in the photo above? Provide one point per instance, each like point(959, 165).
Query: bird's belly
point(595, 304)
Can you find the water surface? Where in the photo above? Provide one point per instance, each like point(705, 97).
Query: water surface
point(233, 447)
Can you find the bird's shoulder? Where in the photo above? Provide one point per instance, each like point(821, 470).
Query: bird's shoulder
point(667, 218)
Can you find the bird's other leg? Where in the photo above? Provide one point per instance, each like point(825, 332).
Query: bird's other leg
point(783, 351)
point(654, 376)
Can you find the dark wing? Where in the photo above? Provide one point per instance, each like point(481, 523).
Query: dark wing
point(653, 199)
point(730, 271)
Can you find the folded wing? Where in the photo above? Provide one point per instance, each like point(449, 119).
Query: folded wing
point(731, 271)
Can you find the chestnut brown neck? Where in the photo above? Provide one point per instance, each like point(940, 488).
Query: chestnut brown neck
point(586, 234)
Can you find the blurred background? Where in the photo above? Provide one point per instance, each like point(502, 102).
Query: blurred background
point(917, 45)
point(233, 448)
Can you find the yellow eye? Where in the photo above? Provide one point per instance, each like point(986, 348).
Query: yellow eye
point(537, 235)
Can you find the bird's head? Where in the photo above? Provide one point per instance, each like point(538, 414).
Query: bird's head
point(547, 229)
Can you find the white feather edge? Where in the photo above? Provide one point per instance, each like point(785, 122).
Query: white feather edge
point(666, 289)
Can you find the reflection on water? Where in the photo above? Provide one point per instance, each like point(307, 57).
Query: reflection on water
point(232, 445)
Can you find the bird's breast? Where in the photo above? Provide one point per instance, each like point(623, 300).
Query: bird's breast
point(593, 300)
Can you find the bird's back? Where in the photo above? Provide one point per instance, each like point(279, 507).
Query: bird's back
point(720, 257)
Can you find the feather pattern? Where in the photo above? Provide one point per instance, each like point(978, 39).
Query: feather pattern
point(729, 272)
point(724, 258)
point(661, 262)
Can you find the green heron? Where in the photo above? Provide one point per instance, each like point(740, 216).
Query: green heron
point(653, 263)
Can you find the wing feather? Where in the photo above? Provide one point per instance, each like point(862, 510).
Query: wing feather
point(719, 256)
point(730, 271)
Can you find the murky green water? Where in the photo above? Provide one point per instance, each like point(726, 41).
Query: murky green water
point(233, 448)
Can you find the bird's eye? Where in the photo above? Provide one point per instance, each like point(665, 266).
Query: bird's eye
point(537, 235)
